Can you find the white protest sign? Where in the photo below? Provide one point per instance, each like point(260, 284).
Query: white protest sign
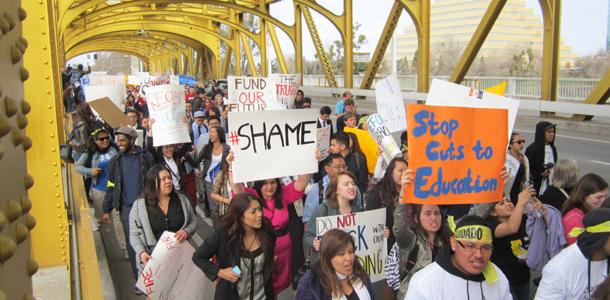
point(383, 136)
point(174, 79)
point(116, 93)
point(367, 229)
point(166, 108)
point(443, 93)
point(171, 274)
point(252, 94)
point(271, 144)
point(150, 81)
point(323, 141)
point(286, 87)
point(135, 79)
point(390, 104)
point(101, 79)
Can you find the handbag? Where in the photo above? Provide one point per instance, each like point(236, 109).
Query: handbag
point(65, 153)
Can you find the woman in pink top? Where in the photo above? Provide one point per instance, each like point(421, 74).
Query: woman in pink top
point(589, 193)
point(276, 198)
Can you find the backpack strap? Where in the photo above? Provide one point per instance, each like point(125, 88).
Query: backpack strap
point(320, 192)
point(412, 259)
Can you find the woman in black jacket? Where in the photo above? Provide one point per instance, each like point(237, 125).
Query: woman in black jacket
point(542, 155)
point(243, 246)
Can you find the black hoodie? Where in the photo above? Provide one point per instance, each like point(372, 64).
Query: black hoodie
point(535, 153)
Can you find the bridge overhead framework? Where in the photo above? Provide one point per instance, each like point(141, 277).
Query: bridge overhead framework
point(203, 38)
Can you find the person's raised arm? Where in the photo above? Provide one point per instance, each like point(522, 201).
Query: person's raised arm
point(237, 187)
point(514, 221)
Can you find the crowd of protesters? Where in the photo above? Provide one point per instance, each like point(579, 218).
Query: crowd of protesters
point(550, 220)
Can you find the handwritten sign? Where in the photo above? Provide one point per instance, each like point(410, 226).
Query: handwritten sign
point(271, 144)
point(323, 140)
point(116, 93)
point(368, 145)
point(383, 136)
point(151, 81)
point(445, 93)
point(135, 79)
point(101, 79)
point(171, 274)
point(286, 87)
point(367, 229)
point(166, 108)
point(456, 153)
point(390, 104)
point(252, 94)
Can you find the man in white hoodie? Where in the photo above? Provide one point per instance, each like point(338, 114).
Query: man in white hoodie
point(462, 271)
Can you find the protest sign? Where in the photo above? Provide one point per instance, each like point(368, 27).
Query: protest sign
point(323, 141)
point(150, 81)
point(286, 87)
point(100, 79)
point(166, 107)
point(367, 229)
point(390, 104)
point(135, 79)
point(383, 136)
point(445, 93)
point(187, 80)
point(252, 94)
point(368, 145)
point(116, 93)
point(171, 274)
point(174, 79)
point(108, 111)
point(271, 144)
point(457, 154)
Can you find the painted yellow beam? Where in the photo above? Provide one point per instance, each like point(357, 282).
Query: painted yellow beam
point(277, 49)
point(248, 50)
point(420, 15)
point(382, 45)
point(478, 38)
point(329, 71)
point(599, 95)
point(348, 40)
point(298, 41)
point(551, 16)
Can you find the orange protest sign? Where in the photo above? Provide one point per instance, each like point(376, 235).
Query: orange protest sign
point(456, 153)
point(367, 145)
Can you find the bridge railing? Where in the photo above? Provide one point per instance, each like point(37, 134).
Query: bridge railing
point(568, 89)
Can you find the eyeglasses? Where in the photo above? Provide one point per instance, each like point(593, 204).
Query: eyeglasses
point(485, 249)
point(103, 139)
point(518, 142)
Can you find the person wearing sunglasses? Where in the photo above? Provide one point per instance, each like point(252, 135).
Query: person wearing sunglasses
point(517, 167)
point(464, 268)
point(94, 164)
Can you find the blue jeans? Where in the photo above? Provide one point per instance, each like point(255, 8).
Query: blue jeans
point(520, 292)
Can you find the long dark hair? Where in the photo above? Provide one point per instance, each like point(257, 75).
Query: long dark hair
point(355, 144)
point(233, 220)
point(587, 185)
point(85, 114)
point(277, 197)
point(207, 149)
point(151, 186)
point(386, 186)
point(443, 232)
point(333, 242)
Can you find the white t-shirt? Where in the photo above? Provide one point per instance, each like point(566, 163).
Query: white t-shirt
point(548, 159)
point(215, 162)
point(434, 283)
point(565, 276)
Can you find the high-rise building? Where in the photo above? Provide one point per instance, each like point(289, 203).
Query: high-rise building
point(454, 21)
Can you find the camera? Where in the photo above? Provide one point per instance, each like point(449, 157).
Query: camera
point(548, 166)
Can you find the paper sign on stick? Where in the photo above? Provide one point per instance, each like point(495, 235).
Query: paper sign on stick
point(271, 144)
point(445, 93)
point(171, 274)
point(116, 93)
point(323, 141)
point(456, 153)
point(108, 111)
point(252, 94)
point(390, 104)
point(368, 145)
point(367, 229)
point(151, 81)
point(286, 87)
point(383, 136)
point(166, 107)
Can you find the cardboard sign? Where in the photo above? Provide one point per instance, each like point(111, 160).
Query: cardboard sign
point(187, 80)
point(383, 136)
point(286, 87)
point(368, 145)
point(116, 93)
point(252, 94)
point(166, 107)
point(445, 93)
point(151, 81)
point(390, 104)
point(323, 140)
point(367, 229)
point(456, 153)
point(108, 111)
point(171, 274)
point(271, 144)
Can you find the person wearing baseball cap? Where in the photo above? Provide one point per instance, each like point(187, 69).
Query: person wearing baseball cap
point(199, 129)
point(463, 270)
point(577, 270)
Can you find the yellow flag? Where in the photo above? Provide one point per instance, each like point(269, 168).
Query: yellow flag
point(499, 89)
point(367, 145)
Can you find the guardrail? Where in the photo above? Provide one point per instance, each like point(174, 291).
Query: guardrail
point(524, 105)
point(568, 89)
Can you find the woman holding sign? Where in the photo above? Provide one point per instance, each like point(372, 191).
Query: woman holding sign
point(276, 198)
point(243, 246)
point(340, 195)
point(338, 274)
